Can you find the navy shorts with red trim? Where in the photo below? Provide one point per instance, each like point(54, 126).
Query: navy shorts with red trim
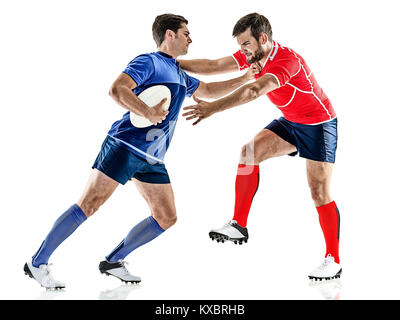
point(315, 142)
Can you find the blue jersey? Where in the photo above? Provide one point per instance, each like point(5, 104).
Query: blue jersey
point(147, 70)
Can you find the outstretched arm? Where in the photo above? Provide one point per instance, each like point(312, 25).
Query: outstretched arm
point(215, 90)
point(245, 94)
point(210, 67)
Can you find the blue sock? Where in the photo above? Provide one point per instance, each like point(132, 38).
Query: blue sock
point(65, 225)
point(140, 234)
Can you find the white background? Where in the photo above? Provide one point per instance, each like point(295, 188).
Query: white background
point(58, 60)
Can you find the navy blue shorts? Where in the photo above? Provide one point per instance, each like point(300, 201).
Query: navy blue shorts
point(120, 164)
point(315, 142)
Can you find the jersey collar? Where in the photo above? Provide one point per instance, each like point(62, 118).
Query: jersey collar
point(164, 55)
point(271, 54)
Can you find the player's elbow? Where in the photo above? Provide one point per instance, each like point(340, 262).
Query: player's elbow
point(115, 92)
point(204, 91)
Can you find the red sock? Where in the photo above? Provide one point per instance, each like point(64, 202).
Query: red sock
point(329, 219)
point(245, 188)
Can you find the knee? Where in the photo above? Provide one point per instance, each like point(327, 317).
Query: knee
point(319, 195)
point(248, 155)
point(165, 218)
point(90, 205)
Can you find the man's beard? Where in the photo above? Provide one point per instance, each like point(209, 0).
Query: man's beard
point(258, 55)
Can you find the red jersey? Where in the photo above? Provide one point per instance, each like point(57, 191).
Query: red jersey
point(298, 96)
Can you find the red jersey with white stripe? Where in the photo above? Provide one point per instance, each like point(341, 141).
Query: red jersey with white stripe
point(299, 96)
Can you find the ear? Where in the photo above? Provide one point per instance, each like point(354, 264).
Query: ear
point(169, 34)
point(263, 38)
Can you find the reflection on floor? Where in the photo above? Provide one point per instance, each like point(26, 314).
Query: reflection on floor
point(119, 293)
point(330, 289)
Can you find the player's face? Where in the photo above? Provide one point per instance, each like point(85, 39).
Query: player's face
point(250, 47)
point(182, 40)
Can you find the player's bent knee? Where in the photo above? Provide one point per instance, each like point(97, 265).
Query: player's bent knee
point(90, 206)
point(320, 196)
point(165, 219)
point(171, 221)
point(243, 152)
point(248, 155)
point(89, 209)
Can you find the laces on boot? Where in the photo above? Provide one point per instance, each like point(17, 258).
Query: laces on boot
point(123, 266)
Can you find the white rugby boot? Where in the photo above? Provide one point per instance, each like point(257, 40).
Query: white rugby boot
point(230, 231)
point(328, 270)
point(42, 274)
point(118, 270)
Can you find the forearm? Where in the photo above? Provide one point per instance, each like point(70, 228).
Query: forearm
point(128, 100)
point(219, 89)
point(241, 96)
point(246, 93)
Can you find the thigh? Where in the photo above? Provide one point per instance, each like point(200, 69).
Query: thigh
point(159, 197)
point(266, 144)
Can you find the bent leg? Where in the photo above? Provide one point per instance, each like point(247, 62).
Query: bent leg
point(160, 199)
point(265, 145)
point(319, 177)
point(99, 188)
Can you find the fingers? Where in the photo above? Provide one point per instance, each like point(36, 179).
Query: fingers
point(196, 122)
point(255, 67)
point(191, 117)
point(158, 116)
point(164, 115)
point(163, 101)
point(188, 113)
point(193, 110)
point(193, 114)
point(190, 107)
point(194, 117)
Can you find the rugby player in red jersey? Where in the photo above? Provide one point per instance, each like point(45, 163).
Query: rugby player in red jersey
point(308, 127)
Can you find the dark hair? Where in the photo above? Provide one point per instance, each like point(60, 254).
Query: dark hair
point(257, 23)
point(164, 22)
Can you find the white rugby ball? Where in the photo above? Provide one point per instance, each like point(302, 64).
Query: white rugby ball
point(151, 96)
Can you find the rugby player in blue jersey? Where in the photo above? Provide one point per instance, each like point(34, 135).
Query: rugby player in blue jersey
point(132, 153)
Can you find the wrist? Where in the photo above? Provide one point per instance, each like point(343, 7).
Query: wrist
point(147, 113)
point(214, 107)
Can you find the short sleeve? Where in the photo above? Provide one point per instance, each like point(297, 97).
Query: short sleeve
point(191, 85)
point(240, 59)
point(140, 69)
point(284, 69)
